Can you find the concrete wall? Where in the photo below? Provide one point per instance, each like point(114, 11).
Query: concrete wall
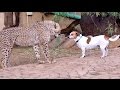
point(37, 16)
point(1, 20)
point(27, 20)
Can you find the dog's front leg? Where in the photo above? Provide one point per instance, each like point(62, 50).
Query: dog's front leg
point(103, 52)
point(83, 52)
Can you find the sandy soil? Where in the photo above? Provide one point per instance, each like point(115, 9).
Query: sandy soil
point(69, 65)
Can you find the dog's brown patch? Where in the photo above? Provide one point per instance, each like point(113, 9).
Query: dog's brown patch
point(88, 40)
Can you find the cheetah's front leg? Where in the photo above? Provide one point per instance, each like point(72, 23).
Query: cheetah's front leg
point(47, 53)
point(36, 50)
point(6, 49)
point(37, 53)
point(5, 57)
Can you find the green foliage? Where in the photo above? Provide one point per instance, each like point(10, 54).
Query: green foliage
point(60, 15)
point(110, 29)
point(57, 18)
point(103, 14)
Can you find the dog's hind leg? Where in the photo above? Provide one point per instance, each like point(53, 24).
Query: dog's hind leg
point(106, 53)
point(83, 52)
point(103, 52)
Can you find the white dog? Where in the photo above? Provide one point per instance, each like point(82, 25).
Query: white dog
point(91, 42)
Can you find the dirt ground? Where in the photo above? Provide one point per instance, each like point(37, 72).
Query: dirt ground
point(69, 65)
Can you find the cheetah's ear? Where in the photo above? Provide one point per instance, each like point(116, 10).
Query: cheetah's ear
point(42, 18)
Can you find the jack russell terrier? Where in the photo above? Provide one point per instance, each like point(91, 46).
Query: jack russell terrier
point(92, 42)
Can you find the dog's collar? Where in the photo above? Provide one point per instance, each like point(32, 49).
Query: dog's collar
point(78, 38)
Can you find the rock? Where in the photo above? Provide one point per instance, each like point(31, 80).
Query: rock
point(57, 41)
point(68, 43)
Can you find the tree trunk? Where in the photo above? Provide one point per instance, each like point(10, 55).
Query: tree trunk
point(70, 28)
point(17, 18)
point(92, 25)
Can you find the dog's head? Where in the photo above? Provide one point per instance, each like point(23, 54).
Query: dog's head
point(74, 34)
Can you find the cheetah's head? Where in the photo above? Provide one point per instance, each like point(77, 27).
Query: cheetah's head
point(55, 28)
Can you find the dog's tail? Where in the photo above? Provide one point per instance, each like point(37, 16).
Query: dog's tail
point(114, 39)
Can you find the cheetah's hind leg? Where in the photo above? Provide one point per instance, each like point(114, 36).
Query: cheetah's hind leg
point(36, 49)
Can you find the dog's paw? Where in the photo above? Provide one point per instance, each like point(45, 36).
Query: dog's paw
point(82, 56)
point(53, 61)
point(41, 62)
point(106, 54)
point(102, 57)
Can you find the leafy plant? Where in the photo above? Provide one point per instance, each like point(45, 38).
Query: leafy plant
point(110, 29)
point(103, 14)
point(56, 18)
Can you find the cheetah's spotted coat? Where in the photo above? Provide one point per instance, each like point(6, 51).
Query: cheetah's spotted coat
point(36, 35)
